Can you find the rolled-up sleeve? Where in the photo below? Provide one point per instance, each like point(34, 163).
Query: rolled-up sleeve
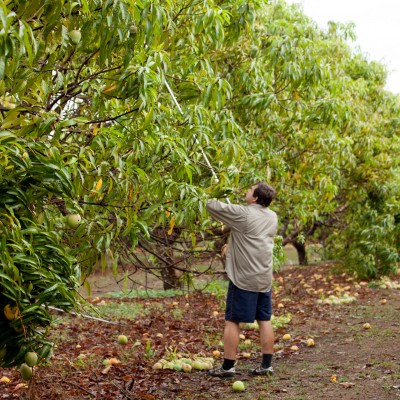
point(230, 214)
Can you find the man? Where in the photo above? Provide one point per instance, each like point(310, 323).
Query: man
point(249, 269)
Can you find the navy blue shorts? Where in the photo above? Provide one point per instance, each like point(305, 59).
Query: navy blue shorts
point(245, 306)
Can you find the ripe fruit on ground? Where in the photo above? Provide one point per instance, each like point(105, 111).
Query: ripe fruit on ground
point(186, 367)
point(31, 358)
point(207, 365)
point(216, 353)
point(238, 386)
point(73, 220)
point(185, 364)
point(122, 339)
point(26, 372)
point(310, 343)
point(286, 337)
point(157, 365)
point(366, 326)
point(11, 312)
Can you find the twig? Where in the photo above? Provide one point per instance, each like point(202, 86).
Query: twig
point(85, 316)
point(123, 391)
point(81, 387)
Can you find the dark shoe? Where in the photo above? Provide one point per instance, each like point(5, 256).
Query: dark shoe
point(222, 373)
point(262, 371)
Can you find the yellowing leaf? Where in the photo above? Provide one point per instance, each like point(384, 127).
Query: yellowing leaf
point(109, 88)
point(110, 186)
point(130, 192)
point(171, 225)
point(99, 184)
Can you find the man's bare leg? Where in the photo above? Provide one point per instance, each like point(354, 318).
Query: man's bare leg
point(267, 337)
point(231, 339)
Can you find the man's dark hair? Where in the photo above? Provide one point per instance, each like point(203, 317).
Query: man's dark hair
point(264, 193)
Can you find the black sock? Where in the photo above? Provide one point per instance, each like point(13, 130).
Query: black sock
point(266, 360)
point(228, 364)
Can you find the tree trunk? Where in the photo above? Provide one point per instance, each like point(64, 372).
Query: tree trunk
point(301, 252)
point(170, 277)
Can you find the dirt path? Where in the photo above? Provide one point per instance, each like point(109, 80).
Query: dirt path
point(364, 363)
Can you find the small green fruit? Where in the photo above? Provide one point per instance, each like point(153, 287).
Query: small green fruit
point(26, 372)
point(177, 367)
point(31, 358)
point(122, 339)
point(238, 386)
point(75, 36)
point(73, 220)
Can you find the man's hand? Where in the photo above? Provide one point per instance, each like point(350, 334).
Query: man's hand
point(221, 193)
point(224, 250)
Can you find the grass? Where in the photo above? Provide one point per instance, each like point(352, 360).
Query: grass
point(177, 313)
point(213, 339)
point(144, 294)
point(320, 367)
point(120, 310)
point(217, 287)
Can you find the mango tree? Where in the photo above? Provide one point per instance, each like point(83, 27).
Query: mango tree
point(96, 154)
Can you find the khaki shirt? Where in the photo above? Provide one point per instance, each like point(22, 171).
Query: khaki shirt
point(251, 243)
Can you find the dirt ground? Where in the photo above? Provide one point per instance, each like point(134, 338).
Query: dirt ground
point(348, 361)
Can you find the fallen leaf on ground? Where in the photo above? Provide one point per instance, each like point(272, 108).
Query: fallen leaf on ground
point(20, 386)
point(347, 384)
point(106, 369)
